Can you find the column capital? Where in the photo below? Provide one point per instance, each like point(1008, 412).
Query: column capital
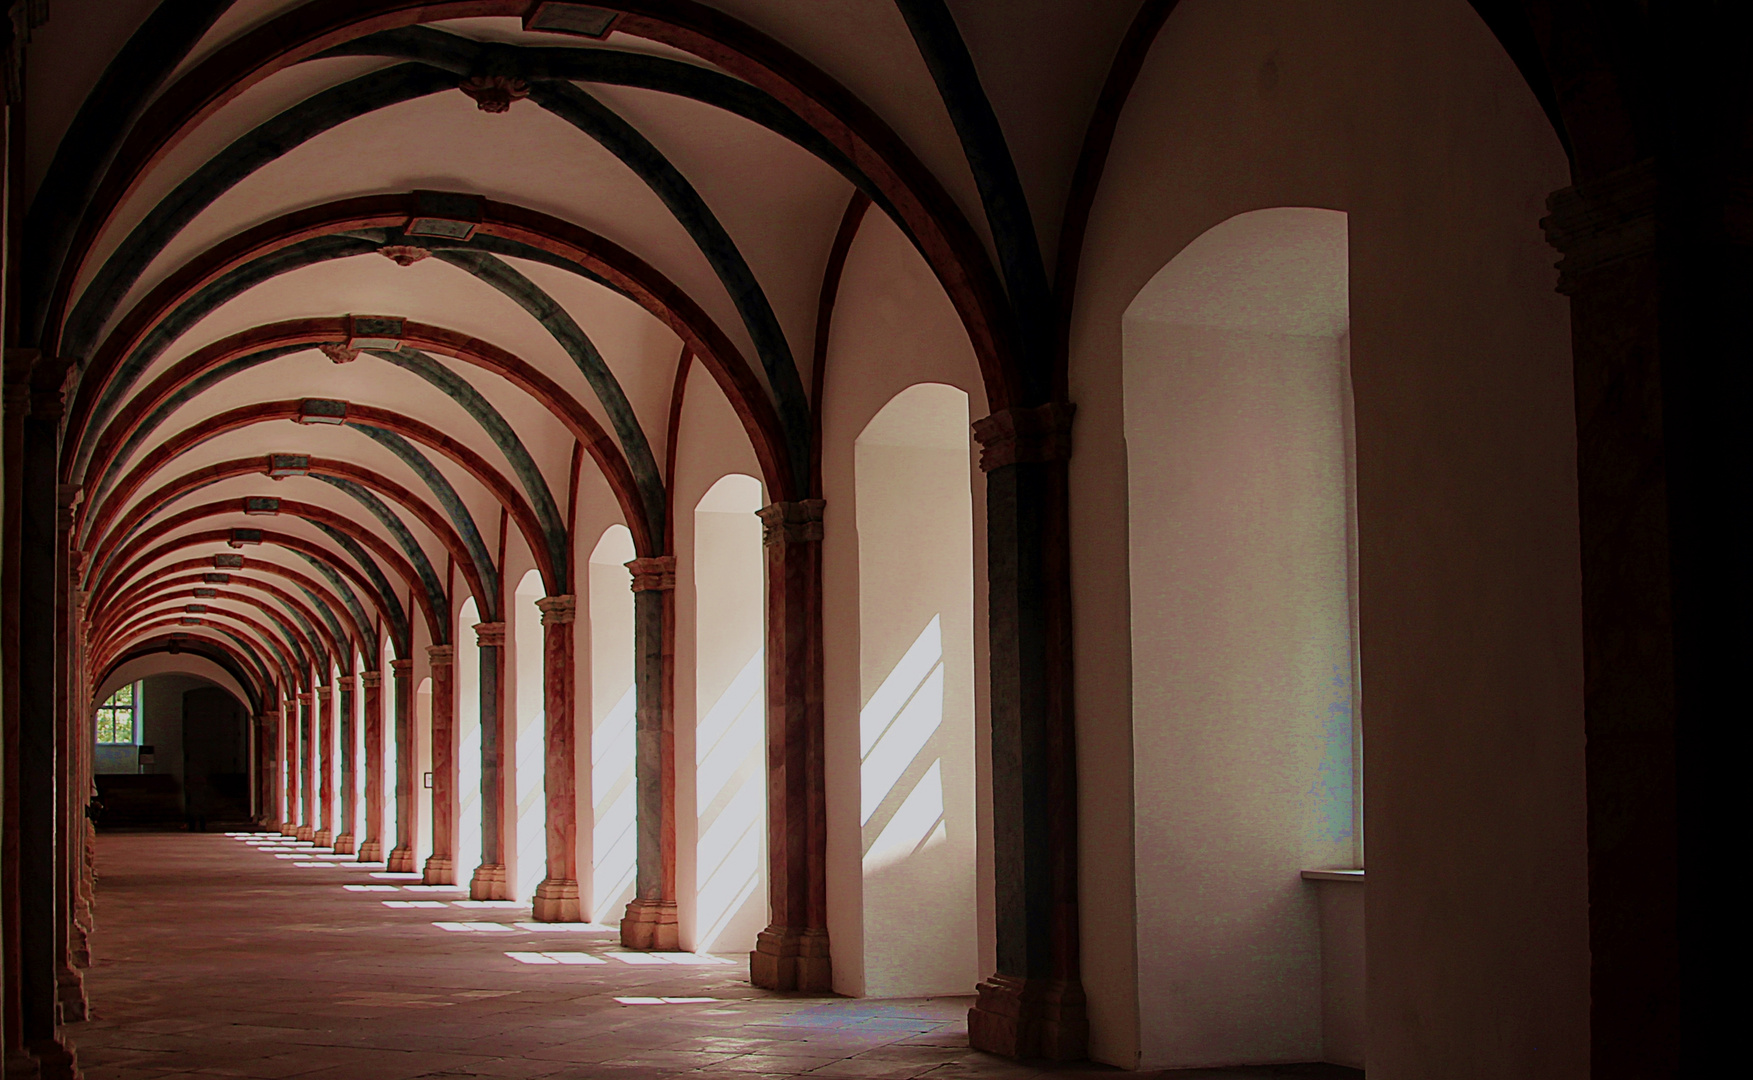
point(49, 378)
point(324, 693)
point(441, 655)
point(797, 522)
point(1602, 221)
point(654, 574)
point(371, 680)
point(1025, 435)
point(348, 682)
point(557, 610)
point(490, 635)
point(400, 668)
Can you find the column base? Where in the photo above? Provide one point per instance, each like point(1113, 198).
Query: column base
point(344, 844)
point(288, 830)
point(651, 925)
point(791, 958)
point(1030, 1018)
point(19, 1065)
point(557, 901)
point(70, 995)
point(79, 945)
point(439, 871)
point(401, 861)
point(53, 1059)
point(489, 883)
point(371, 851)
point(305, 833)
point(323, 838)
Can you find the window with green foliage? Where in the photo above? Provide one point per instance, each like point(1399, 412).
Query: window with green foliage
point(116, 718)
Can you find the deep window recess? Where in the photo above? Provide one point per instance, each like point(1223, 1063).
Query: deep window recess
point(116, 718)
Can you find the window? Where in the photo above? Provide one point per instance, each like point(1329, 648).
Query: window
point(116, 723)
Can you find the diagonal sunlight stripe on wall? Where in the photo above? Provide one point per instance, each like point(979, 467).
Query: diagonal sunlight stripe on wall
point(901, 718)
point(723, 743)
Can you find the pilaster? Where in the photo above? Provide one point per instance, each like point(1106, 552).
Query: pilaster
point(325, 756)
point(345, 842)
point(650, 921)
point(489, 881)
point(371, 686)
point(440, 866)
point(792, 953)
point(1033, 1006)
point(556, 898)
point(401, 857)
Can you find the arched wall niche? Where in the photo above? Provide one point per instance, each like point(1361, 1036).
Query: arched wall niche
point(895, 339)
point(528, 736)
point(612, 715)
point(468, 742)
point(1468, 574)
point(730, 703)
point(916, 726)
point(1239, 498)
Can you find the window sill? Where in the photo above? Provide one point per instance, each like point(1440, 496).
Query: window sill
point(1353, 876)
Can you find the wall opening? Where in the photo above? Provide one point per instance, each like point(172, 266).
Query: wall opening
point(1244, 669)
point(468, 742)
point(614, 843)
point(916, 723)
point(529, 737)
point(730, 712)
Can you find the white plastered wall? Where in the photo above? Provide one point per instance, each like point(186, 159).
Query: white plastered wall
point(1412, 120)
point(893, 328)
point(611, 710)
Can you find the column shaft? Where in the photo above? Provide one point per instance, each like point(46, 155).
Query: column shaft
point(650, 922)
point(371, 848)
point(307, 802)
point(489, 881)
point(345, 841)
point(17, 403)
point(401, 858)
point(325, 757)
point(1034, 1005)
point(792, 952)
point(556, 897)
point(69, 837)
point(441, 864)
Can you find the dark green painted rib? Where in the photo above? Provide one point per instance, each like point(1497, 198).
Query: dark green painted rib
point(410, 546)
point(401, 633)
point(477, 406)
point(322, 609)
point(454, 507)
point(197, 307)
point(285, 132)
point(351, 599)
point(635, 151)
point(565, 330)
point(250, 649)
point(92, 140)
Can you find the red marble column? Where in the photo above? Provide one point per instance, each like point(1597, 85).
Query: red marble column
point(441, 864)
point(489, 881)
point(650, 922)
point(792, 952)
point(289, 709)
point(324, 727)
point(401, 858)
point(556, 897)
point(307, 746)
point(345, 841)
point(268, 766)
point(371, 685)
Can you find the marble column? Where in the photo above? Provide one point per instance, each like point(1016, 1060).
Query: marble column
point(489, 881)
point(289, 775)
point(556, 897)
point(69, 834)
point(345, 841)
point(307, 740)
point(792, 952)
point(268, 766)
point(441, 864)
point(1033, 1006)
point(325, 759)
point(371, 685)
point(401, 857)
point(650, 922)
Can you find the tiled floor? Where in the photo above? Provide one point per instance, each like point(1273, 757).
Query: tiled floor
point(227, 956)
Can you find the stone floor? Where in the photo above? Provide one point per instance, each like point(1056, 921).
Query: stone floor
point(252, 957)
